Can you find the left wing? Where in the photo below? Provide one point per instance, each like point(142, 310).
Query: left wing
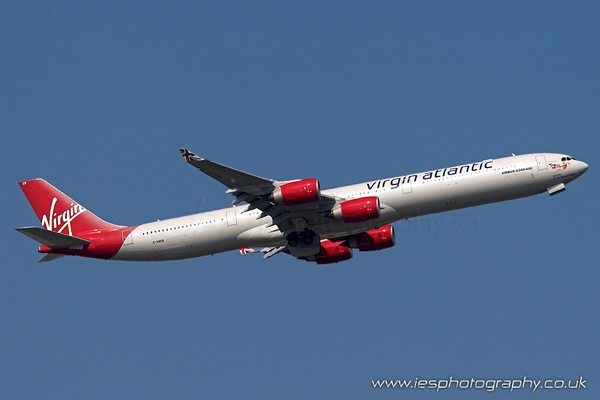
point(266, 195)
point(244, 186)
point(230, 177)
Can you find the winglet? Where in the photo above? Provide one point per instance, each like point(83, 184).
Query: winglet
point(188, 155)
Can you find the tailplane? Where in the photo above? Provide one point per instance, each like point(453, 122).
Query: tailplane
point(53, 240)
point(68, 228)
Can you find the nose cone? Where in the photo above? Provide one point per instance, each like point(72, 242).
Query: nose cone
point(581, 168)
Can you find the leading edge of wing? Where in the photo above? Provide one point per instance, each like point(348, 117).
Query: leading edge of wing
point(230, 177)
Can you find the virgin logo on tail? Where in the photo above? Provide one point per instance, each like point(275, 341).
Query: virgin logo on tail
point(53, 221)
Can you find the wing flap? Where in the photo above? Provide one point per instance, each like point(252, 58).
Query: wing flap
point(271, 251)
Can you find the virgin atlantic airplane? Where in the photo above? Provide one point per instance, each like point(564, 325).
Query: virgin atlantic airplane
point(294, 217)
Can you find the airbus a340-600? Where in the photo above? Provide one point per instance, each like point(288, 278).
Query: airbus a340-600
point(294, 217)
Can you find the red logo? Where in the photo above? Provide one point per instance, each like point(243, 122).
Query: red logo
point(188, 155)
point(558, 167)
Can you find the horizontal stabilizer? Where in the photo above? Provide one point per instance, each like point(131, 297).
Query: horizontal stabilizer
point(54, 240)
point(50, 257)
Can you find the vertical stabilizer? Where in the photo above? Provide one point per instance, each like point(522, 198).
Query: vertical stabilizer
point(58, 212)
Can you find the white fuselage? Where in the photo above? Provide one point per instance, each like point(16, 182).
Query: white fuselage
point(402, 197)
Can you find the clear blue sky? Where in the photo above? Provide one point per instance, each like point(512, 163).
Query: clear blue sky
point(96, 97)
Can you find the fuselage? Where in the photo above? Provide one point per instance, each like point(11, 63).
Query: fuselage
point(401, 197)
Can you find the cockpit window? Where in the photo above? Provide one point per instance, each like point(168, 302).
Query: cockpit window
point(563, 159)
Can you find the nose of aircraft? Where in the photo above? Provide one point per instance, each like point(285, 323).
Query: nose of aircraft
point(582, 167)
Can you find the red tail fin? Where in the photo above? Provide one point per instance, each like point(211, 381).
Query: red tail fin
point(58, 212)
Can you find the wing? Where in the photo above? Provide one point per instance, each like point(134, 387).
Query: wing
point(230, 177)
point(258, 192)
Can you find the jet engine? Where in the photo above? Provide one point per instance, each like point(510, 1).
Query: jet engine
point(298, 192)
point(358, 210)
point(374, 239)
point(331, 252)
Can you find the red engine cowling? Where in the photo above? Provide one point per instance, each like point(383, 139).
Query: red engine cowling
point(375, 239)
point(331, 252)
point(358, 210)
point(299, 192)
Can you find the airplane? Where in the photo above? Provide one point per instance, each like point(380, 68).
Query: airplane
point(294, 217)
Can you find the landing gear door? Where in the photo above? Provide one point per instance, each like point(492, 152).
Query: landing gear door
point(541, 162)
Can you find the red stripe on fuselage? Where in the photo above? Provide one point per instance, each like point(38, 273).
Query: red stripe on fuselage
point(104, 244)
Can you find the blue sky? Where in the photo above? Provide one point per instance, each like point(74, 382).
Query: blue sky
point(97, 97)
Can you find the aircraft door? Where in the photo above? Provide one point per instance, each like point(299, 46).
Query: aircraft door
point(231, 218)
point(127, 236)
point(541, 162)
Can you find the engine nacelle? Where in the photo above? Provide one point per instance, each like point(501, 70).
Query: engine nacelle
point(358, 210)
point(331, 252)
point(299, 192)
point(375, 239)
